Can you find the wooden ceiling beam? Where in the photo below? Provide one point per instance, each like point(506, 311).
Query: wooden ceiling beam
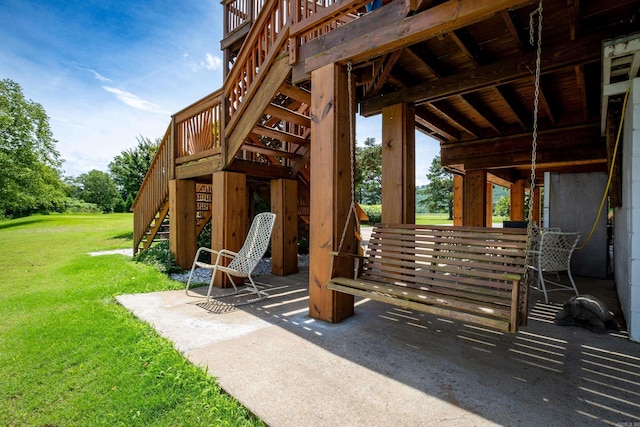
point(582, 86)
point(466, 45)
point(569, 54)
point(573, 10)
point(512, 102)
point(462, 122)
point(420, 53)
point(373, 36)
point(511, 27)
point(542, 101)
point(474, 103)
point(571, 145)
point(429, 120)
point(383, 74)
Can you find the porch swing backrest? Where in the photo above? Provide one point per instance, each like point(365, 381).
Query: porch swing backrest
point(471, 274)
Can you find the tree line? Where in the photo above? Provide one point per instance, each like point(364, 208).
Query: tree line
point(31, 180)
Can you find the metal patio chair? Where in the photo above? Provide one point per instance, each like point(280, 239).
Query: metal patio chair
point(242, 262)
point(553, 255)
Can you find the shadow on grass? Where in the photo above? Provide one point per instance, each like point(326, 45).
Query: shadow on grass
point(127, 236)
point(18, 223)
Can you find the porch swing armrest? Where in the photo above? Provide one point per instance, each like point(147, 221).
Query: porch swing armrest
point(358, 261)
point(337, 254)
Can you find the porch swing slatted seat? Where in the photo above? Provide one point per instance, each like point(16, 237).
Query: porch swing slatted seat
point(472, 274)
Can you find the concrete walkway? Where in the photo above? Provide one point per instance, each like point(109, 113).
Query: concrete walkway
point(391, 367)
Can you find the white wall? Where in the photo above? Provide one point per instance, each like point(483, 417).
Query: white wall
point(627, 218)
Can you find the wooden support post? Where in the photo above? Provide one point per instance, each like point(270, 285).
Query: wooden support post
point(284, 239)
point(398, 164)
point(330, 192)
point(489, 205)
point(182, 221)
point(536, 211)
point(475, 198)
point(228, 214)
point(458, 198)
point(517, 201)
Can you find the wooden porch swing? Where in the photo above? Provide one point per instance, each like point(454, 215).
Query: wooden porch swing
point(472, 274)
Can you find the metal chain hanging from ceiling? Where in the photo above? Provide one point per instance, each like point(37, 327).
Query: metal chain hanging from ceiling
point(536, 101)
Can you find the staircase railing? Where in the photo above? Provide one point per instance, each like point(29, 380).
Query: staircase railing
point(197, 129)
point(260, 47)
point(154, 189)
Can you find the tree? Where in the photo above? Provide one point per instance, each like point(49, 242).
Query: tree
point(439, 192)
point(502, 207)
point(98, 187)
point(30, 180)
point(368, 173)
point(130, 166)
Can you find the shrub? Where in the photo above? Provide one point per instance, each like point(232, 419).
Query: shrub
point(303, 246)
point(159, 256)
point(374, 212)
point(72, 205)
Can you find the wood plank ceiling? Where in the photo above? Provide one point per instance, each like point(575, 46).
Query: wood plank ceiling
point(473, 87)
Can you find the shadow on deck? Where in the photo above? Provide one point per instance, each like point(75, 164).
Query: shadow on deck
point(389, 366)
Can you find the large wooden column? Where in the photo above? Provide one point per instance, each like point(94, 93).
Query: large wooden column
point(475, 198)
point(536, 211)
point(182, 221)
point(458, 199)
point(516, 201)
point(398, 164)
point(489, 205)
point(284, 239)
point(229, 214)
point(330, 192)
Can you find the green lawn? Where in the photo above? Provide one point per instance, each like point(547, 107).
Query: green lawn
point(441, 219)
point(70, 355)
point(433, 219)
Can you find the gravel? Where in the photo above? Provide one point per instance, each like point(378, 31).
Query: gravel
point(203, 275)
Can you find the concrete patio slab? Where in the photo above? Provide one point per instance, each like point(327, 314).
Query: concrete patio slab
point(386, 366)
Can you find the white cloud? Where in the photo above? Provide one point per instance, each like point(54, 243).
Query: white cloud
point(135, 101)
point(212, 62)
point(99, 76)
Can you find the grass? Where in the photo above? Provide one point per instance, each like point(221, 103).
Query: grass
point(442, 219)
point(70, 355)
point(433, 219)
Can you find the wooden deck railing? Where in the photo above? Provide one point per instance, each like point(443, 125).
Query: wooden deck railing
point(154, 190)
point(311, 19)
point(238, 13)
point(198, 129)
point(258, 48)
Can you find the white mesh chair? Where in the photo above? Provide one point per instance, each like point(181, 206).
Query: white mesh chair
point(553, 256)
point(533, 247)
point(242, 262)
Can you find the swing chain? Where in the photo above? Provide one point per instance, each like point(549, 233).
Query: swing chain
point(536, 101)
point(352, 143)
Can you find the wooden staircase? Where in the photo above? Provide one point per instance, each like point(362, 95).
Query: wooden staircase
point(258, 124)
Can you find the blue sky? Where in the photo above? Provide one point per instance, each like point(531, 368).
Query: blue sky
point(107, 72)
